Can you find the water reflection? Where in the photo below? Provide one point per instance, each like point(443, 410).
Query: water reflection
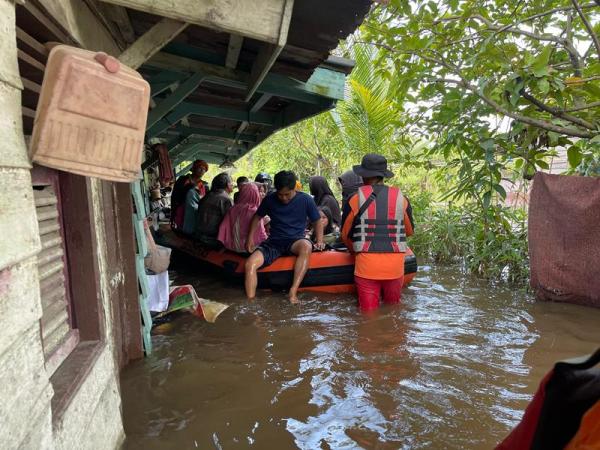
point(452, 367)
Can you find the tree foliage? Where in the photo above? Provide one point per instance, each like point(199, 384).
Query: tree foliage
point(493, 84)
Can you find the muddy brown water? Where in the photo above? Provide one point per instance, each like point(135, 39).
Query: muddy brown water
point(452, 367)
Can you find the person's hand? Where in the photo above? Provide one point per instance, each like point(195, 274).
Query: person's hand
point(319, 246)
point(250, 247)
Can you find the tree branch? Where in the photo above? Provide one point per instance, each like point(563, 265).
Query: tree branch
point(567, 43)
point(549, 12)
point(526, 19)
point(557, 112)
point(582, 107)
point(511, 29)
point(595, 77)
point(496, 106)
point(519, 117)
point(588, 26)
point(309, 150)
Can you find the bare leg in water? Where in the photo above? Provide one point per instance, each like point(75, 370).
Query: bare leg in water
point(253, 263)
point(302, 249)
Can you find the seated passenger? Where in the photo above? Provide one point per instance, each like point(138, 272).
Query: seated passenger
point(262, 189)
point(350, 183)
point(330, 232)
point(288, 210)
point(192, 200)
point(234, 228)
point(265, 178)
point(320, 190)
point(212, 209)
point(180, 190)
point(239, 182)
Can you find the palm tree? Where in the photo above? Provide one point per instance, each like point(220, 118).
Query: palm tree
point(366, 120)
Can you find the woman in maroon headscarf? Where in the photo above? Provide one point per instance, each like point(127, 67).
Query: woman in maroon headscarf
point(234, 228)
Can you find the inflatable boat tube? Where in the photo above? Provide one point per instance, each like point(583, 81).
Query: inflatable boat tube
point(330, 271)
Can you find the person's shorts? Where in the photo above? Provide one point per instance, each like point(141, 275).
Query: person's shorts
point(272, 250)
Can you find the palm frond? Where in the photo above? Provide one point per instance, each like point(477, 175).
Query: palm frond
point(366, 119)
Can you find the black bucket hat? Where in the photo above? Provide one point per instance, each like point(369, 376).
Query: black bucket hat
point(373, 165)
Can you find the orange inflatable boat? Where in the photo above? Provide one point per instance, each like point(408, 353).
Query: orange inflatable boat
point(329, 271)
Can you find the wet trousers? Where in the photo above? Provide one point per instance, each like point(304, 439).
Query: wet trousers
point(369, 292)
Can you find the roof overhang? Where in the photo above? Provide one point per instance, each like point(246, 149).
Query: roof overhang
point(223, 78)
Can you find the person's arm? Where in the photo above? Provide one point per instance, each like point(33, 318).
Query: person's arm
point(336, 213)
point(250, 245)
point(262, 211)
point(345, 210)
point(318, 227)
point(315, 219)
point(348, 222)
point(225, 206)
point(409, 224)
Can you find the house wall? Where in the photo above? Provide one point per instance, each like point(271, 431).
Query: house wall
point(28, 417)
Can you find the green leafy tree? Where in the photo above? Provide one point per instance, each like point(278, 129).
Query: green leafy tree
point(494, 84)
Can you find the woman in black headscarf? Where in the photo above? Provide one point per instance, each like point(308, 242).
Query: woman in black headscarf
point(350, 183)
point(320, 190)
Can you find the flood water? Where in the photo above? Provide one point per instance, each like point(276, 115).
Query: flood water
point(452, 367)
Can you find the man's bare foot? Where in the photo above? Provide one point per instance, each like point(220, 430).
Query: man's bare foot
point(293, 297)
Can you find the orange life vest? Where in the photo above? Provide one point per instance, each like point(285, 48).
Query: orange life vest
point(379, 224)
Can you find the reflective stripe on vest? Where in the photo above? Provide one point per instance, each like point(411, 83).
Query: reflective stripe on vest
point(380, 229)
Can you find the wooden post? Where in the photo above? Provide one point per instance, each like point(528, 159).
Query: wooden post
point(269, 52)
point(151, 42)
point(233, 51)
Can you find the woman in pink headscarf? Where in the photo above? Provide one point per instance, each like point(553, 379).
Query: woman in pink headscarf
point(234, 228)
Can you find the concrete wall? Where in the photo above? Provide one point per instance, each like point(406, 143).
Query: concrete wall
point(93, 417)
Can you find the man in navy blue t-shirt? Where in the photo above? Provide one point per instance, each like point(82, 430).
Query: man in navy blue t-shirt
point(288, 211)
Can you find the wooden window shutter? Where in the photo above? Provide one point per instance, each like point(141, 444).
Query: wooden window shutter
point(58, 337)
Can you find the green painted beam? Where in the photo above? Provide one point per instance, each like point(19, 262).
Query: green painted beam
point(163, 81)
point(195, 109)
point(296, 112)
point(192, 150)
point(290, 115)
point(260, 102)
point(327, 83)
point(179, 95)
point(187, 144)
point(159, 88)
point(323, 82)
point(206, 155)
point(174, 140)
point(192, 52)
point(173, 63)
point(166, 76)
point(211, 158)
point(182, 130)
